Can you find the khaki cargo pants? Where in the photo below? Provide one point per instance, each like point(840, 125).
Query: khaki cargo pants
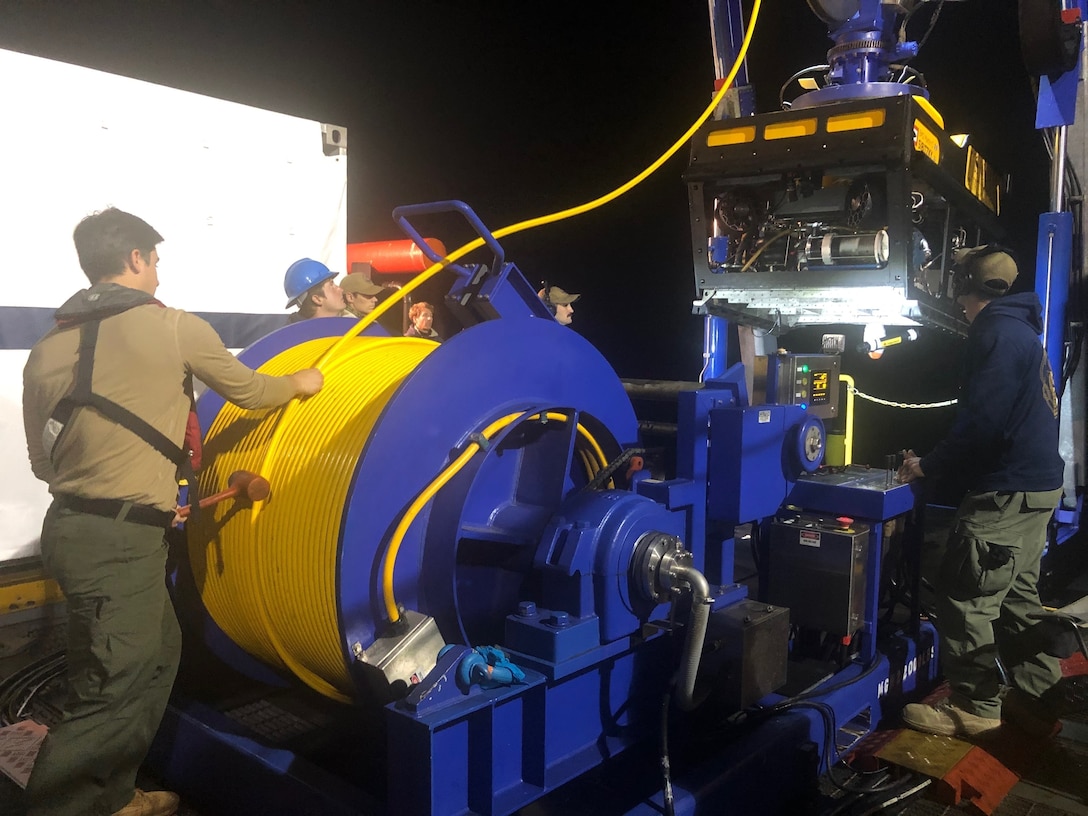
point(987, 587)
point(123, 649)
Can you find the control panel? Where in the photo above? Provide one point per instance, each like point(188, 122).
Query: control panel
point(808, 380)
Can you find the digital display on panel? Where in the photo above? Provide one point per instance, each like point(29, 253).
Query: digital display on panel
point(820, 384)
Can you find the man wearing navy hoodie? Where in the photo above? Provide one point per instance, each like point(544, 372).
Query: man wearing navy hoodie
point(1005, 442)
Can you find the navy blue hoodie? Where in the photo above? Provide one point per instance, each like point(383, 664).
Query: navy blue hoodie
point(1005, 436)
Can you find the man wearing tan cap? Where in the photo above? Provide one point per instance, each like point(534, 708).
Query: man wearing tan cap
point(558, 303)
point(1004, 442)
point(360, 294)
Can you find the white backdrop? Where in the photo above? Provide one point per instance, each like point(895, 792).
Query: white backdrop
point(237, 192)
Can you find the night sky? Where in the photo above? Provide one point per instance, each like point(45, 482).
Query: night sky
point(521, 109)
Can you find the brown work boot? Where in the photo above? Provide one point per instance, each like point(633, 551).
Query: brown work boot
point(947, 720)
point(1029, 714)
point(150, 803)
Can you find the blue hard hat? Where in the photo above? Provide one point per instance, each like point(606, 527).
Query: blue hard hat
point(302, 276)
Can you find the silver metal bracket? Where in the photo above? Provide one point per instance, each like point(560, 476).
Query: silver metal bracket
point(408, 651)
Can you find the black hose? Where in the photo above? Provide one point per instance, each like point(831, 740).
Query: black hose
point(18, 689)
point(606, 473)
point(667, 795)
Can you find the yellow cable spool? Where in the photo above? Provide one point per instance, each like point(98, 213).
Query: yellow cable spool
point(269, 581)
point(270, 584)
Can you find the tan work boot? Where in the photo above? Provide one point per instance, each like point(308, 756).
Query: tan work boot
point(151, 803)
point(947, 720)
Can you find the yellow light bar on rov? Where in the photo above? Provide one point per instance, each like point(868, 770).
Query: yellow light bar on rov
point(731, 136)
point(797, 128)
point(858, 120)
point(927, 106)
point(789, 130)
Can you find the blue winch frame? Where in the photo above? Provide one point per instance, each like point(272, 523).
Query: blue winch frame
point(552, 562)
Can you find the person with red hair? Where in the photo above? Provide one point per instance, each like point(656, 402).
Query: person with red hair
point(421, 316)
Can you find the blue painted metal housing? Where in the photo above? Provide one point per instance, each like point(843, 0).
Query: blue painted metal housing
point(866, 48)
point(753, 460)
point(495, 751)
point(465, 560)
point(584, 559)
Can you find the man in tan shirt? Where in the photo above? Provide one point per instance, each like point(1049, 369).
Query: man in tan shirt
point(105, 406)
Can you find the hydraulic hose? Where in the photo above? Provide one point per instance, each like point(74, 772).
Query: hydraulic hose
point(662, 568)
point(693, 643)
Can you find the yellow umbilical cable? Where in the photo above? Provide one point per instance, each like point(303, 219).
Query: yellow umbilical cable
point(433, 269)
point(560, 215)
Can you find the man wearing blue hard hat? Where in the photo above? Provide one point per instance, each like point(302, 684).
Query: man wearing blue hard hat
point(311, 286)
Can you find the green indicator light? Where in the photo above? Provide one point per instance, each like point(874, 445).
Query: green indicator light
point(804, 369)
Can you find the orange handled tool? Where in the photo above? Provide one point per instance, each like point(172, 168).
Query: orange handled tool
point(241, 482)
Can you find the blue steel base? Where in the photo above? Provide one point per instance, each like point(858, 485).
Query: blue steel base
point(493, 752)
point(221, 768)
point(497, 751)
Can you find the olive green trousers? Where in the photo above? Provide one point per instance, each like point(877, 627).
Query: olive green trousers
point(986, 588)
point(124, 644)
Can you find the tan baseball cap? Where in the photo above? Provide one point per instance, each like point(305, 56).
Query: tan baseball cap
point(989, 270)
point(358, 285)
point(558, 297)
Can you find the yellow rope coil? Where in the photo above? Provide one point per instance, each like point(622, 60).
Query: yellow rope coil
point(269, 581)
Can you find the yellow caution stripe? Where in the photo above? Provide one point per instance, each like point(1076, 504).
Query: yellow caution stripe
point(28, 590)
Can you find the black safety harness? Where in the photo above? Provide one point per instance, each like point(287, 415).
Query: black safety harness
point(82, 396)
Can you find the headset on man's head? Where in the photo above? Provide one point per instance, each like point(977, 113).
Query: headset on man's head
point(545, 296)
